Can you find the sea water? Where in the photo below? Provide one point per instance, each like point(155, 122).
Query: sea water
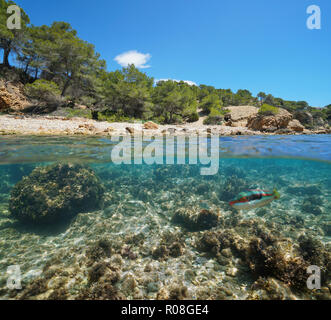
point(152, 254)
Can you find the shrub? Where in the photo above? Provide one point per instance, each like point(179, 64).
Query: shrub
point(215, 120)
point(216, 116)
point(78, 113)
point(43, 90)
point(193, 117)
point(115, 117)
point(267, 110)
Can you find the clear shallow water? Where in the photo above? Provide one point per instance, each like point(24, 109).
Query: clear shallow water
point(137, 220)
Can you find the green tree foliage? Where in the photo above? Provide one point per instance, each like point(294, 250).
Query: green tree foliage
point(11, 40)
point(174, 102)
point(128, 92)
point(262, 96)
point(209, 102)
point(69, 60)
point(42, 90)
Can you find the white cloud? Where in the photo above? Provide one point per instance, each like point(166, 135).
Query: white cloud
point(133, 57)
point(190, 83)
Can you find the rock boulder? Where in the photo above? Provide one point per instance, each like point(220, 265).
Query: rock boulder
point(275, 122)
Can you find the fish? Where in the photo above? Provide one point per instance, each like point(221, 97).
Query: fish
point(252, 199)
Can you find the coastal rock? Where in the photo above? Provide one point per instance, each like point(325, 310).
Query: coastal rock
point(304, 117)
point(50, 194)
point(263, 123)
point(89, 127)
point(239, 115)
point(11, 98)
point(296, 126)
point(130, 130)
point(151, 126)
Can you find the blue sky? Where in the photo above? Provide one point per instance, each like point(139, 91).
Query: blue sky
point(257, 45)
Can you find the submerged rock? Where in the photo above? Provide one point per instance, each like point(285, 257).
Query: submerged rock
point(195, 221)
point(50, 194)
point(268, 255)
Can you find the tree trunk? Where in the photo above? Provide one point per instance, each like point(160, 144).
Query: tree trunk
point(27, 66)
point(36, 74)
point(6, 57)
point(66, 86)
point(95, 115)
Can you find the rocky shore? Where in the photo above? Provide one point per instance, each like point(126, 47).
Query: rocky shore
point(50, 125)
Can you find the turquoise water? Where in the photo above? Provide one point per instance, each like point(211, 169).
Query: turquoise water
point(150, 236)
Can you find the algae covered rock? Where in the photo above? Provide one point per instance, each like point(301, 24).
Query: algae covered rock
point(195, 220)
point(50, 194)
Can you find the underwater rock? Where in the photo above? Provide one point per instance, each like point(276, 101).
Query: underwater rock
point(179, 292)
point(58, 294)
point(209, 242)
point(126, 252)
point(50, 194)
point(311, 205)
point(171, 245)
point(195, 221)
point(176, 249)
point(36, 287)
point(269, 289)
point(161, 252)
point(174, 292)
point(267, 254)
point(101, 291)
point(313, 251)
point(103, 269)
point(100, 249)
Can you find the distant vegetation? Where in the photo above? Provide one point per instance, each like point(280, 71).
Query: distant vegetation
point(59, 68)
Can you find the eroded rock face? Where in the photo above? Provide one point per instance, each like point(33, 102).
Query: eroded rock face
point(266, 123)
point(239, 115)
point(296, 126)
point(53, 193)
point(11, 97)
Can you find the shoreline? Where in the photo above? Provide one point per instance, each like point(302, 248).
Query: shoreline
point(60, 126)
